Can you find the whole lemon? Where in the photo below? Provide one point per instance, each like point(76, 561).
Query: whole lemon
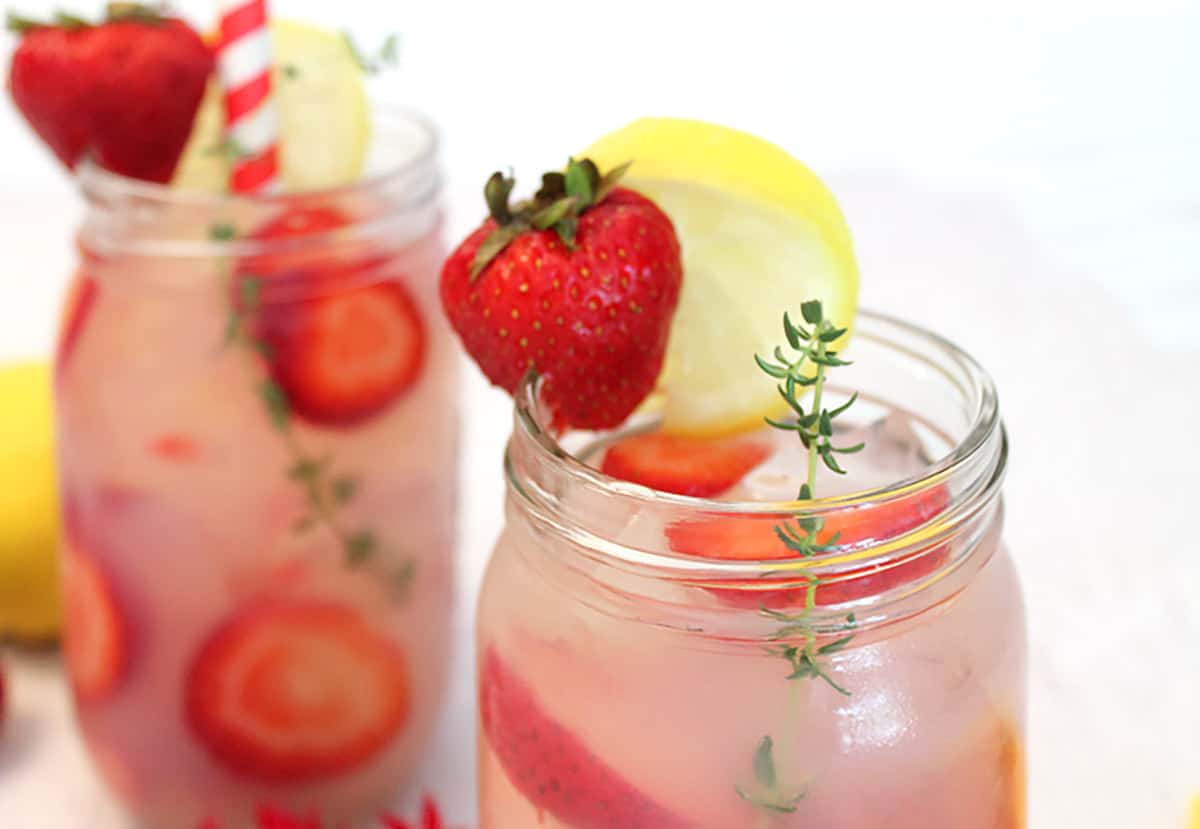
point(29, 518)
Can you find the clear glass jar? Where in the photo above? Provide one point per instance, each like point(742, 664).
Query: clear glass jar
point(257, 450)
point(882, 683)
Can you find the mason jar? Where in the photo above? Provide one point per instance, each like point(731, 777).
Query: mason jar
point(630, 677)
point(257, 437)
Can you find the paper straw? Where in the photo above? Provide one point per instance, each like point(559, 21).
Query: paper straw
point(244, 67)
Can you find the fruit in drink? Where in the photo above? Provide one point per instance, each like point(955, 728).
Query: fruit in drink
point(78, 307)
point(551, 766)
point(344, 358)
point(753, 538)
point(297, 690)
point(342, 352)
point(97, 643)
point(269, 817)
point(700, 467)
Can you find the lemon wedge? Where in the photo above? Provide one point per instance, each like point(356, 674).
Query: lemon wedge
point(760, 234)
point(324, 116)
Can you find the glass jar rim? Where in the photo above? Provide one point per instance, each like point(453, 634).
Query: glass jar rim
point(103, 187)
point(93, 177)
point(984, 422)
point(979, 458)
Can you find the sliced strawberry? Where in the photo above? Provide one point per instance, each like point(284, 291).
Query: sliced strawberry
point(344, 357)
point(268, 817)
point(80, 299)
point(750, 538)
point(298, 238)
point(95, 641)
point(294, 691)
point(685, 466)
point(342, 342)
point(175, 447)
point(552, 767)
point(431, 818)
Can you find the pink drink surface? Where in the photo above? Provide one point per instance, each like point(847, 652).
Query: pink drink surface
point(257, 608)
point(587, 698)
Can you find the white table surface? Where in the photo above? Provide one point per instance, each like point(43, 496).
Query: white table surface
point(1091, 326)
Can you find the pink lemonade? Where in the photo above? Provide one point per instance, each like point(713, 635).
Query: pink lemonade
point(650, 661)
point(257, 430)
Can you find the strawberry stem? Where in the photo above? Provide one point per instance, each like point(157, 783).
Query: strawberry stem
point(135, 12)
point(556, 206)
point(114, 12)
point(496, 193)
point(22, 25)
point(70, 21)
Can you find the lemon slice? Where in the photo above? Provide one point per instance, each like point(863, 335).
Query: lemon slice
point(761, 234)
point(324, 116)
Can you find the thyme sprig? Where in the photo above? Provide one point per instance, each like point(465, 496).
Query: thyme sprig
point(806, 659)
point(767, 793)
point(796, 638)
point(325, 491)
point(371, 63)
point(813, 425)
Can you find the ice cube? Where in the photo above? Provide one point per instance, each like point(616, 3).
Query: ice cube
point(895, 449)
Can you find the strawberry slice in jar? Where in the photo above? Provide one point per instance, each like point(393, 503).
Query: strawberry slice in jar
point(757, 538)
point(343, 337)
point(554, 768)
point(96, 644)
point(298, 690)
point(699, 467)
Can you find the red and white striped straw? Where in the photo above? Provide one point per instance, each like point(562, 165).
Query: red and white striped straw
point(251, 122)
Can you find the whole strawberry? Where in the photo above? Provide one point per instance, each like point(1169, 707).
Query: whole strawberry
point(124, 91)
point(578, 284)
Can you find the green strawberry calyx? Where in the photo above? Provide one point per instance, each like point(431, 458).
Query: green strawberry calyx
point(557, 206)
point(114, 13)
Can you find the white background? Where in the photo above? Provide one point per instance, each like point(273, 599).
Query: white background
point(1027, 184)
